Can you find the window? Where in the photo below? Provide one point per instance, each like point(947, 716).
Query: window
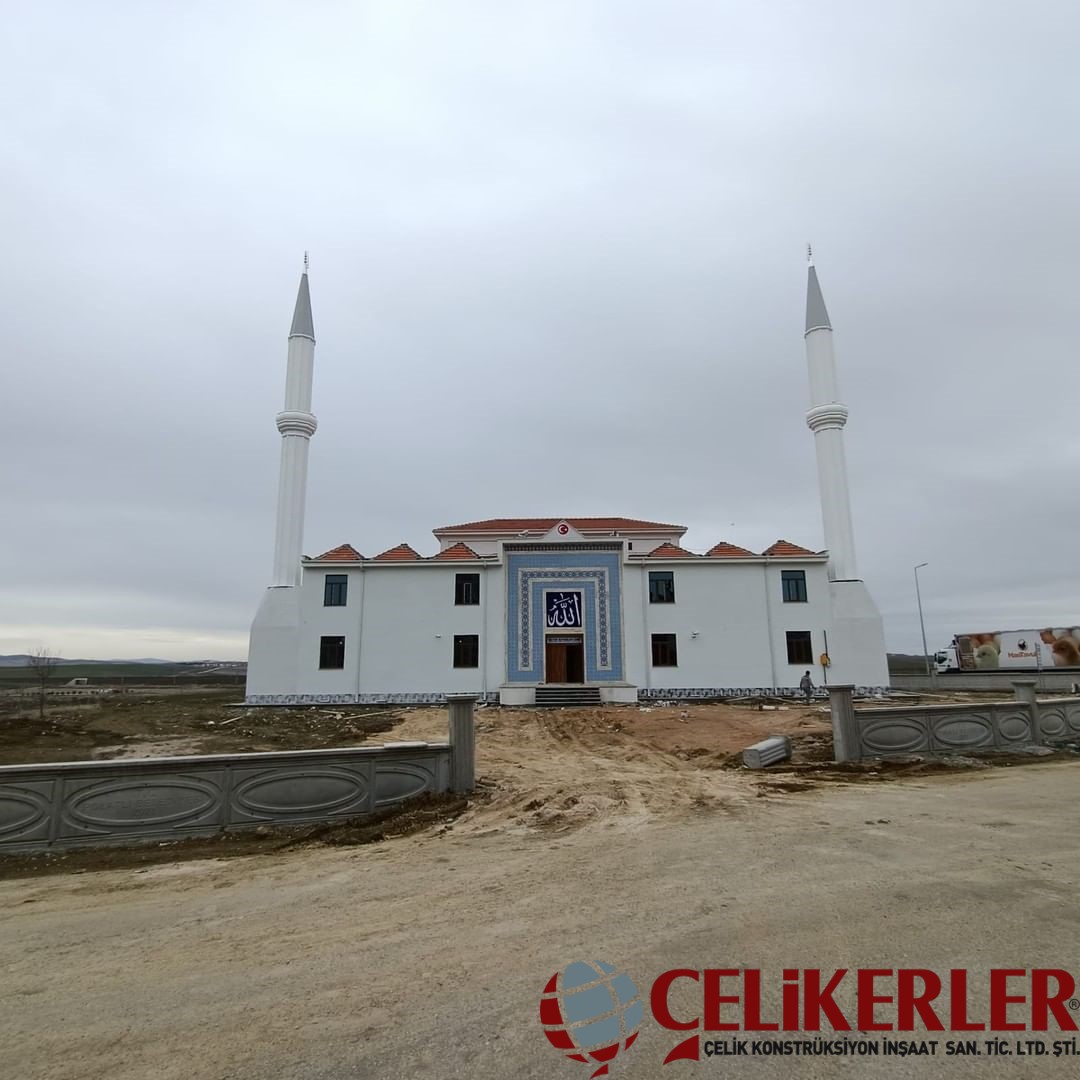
point(466, 647)
point(663, 650)
point(331, 652)
point(661, 587)
point(794, 586)
point(335, 590)
point(466, 591)
point(799, 650)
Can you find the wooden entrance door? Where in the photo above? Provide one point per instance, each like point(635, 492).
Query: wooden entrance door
point(564, 660)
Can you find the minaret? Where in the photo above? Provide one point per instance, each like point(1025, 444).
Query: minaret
point(826, 419)
point(296, 424)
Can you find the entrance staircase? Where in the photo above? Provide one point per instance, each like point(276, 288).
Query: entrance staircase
point(557, 697)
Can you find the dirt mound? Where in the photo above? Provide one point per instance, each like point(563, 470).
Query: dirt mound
point(166, 725)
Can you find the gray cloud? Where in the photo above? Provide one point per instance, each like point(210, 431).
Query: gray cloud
point(556, 269)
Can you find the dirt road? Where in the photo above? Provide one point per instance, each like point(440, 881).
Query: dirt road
point(424, 957)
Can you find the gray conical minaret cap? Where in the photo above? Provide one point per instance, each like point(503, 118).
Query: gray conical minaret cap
point(302, 326)
point(816, 315)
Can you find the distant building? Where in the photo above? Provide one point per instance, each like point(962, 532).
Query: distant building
point(527, 609)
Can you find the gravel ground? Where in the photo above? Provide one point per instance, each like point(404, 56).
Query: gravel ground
point(424, 956)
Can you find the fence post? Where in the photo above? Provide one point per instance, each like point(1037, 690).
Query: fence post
point(1024, 689)
point(462, 742)
point(845, 728)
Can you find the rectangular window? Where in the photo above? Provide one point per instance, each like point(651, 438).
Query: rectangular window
point(466, 650)
point(663, 650)
point(335, 590)
point(661, 587)
point(467, 589)
point(794, 586)
point(799, 649)
point(331, 652)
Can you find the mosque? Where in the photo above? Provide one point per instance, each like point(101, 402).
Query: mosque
point(554, 610)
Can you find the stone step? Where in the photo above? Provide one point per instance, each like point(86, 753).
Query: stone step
point(561, 696)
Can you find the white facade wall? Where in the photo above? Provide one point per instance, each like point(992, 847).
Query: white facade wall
point(399, 623)
point(739, 615)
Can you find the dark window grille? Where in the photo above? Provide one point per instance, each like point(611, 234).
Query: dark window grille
point(799, 649)
point(466, 650)
point(331, 652)
point(466, 588)
point(335, 590)
point(661, 587)
point(664, 652)
point(794, 582)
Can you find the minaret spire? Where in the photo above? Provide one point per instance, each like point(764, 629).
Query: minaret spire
point(296, 424)
point(826, 419)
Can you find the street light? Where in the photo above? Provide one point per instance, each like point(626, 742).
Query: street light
point(922, 625)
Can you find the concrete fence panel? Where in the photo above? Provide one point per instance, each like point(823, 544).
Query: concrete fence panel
point(88, 803)
point(951, 729)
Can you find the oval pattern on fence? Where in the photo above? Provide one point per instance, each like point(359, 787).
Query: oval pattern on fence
point(120, 803)
point(293, 791)
point(1015, 727)
point(1052, 720)
point(964, 732)
point(20, 811)
point(894, 736)
point(1072, 716)
point(402, 781)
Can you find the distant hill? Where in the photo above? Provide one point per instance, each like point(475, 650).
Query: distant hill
point(23, 660)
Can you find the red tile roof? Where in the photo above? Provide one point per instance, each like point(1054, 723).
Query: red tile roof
point(401, 553)
point(671, 551)
point(342, 553)
point(786, 548)
point(458, 551)
point(582, 524)
point(729, 551)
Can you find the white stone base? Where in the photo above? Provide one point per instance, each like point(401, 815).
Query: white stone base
point(517, 695)
point(274, 649)
point(857, 637)
point(618, 695)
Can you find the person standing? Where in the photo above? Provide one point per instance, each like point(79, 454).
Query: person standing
point(806, 685)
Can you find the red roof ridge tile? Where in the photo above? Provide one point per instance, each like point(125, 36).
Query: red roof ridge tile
point(545, 523)
point(725, 550)
point(401, 553)
point(671, 551)
point(460, 550)
point(342, 553)
point(784, 548)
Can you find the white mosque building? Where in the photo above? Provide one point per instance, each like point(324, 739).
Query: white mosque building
point(547, 610)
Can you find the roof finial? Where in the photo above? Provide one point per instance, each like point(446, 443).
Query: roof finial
point(305, 262)
point(809, 255)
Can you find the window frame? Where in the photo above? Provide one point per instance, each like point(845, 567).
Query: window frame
point(324, 652)
point(658, 577)
point(466, 579)
point(800, 637)
point(333, 585)
point(658, 642)
point(796, 578)
point(460, 656)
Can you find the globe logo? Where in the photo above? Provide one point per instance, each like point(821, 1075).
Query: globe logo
point(590, 1011)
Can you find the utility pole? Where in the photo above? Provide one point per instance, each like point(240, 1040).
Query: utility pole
point(922, 626)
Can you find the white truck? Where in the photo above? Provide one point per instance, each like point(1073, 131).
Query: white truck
point(1013, 650)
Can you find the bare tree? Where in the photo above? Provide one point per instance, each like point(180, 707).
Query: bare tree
point(42, 665)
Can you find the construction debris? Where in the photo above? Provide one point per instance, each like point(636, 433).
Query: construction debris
point(767, 752)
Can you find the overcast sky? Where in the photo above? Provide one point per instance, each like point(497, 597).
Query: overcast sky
point(558, 268)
